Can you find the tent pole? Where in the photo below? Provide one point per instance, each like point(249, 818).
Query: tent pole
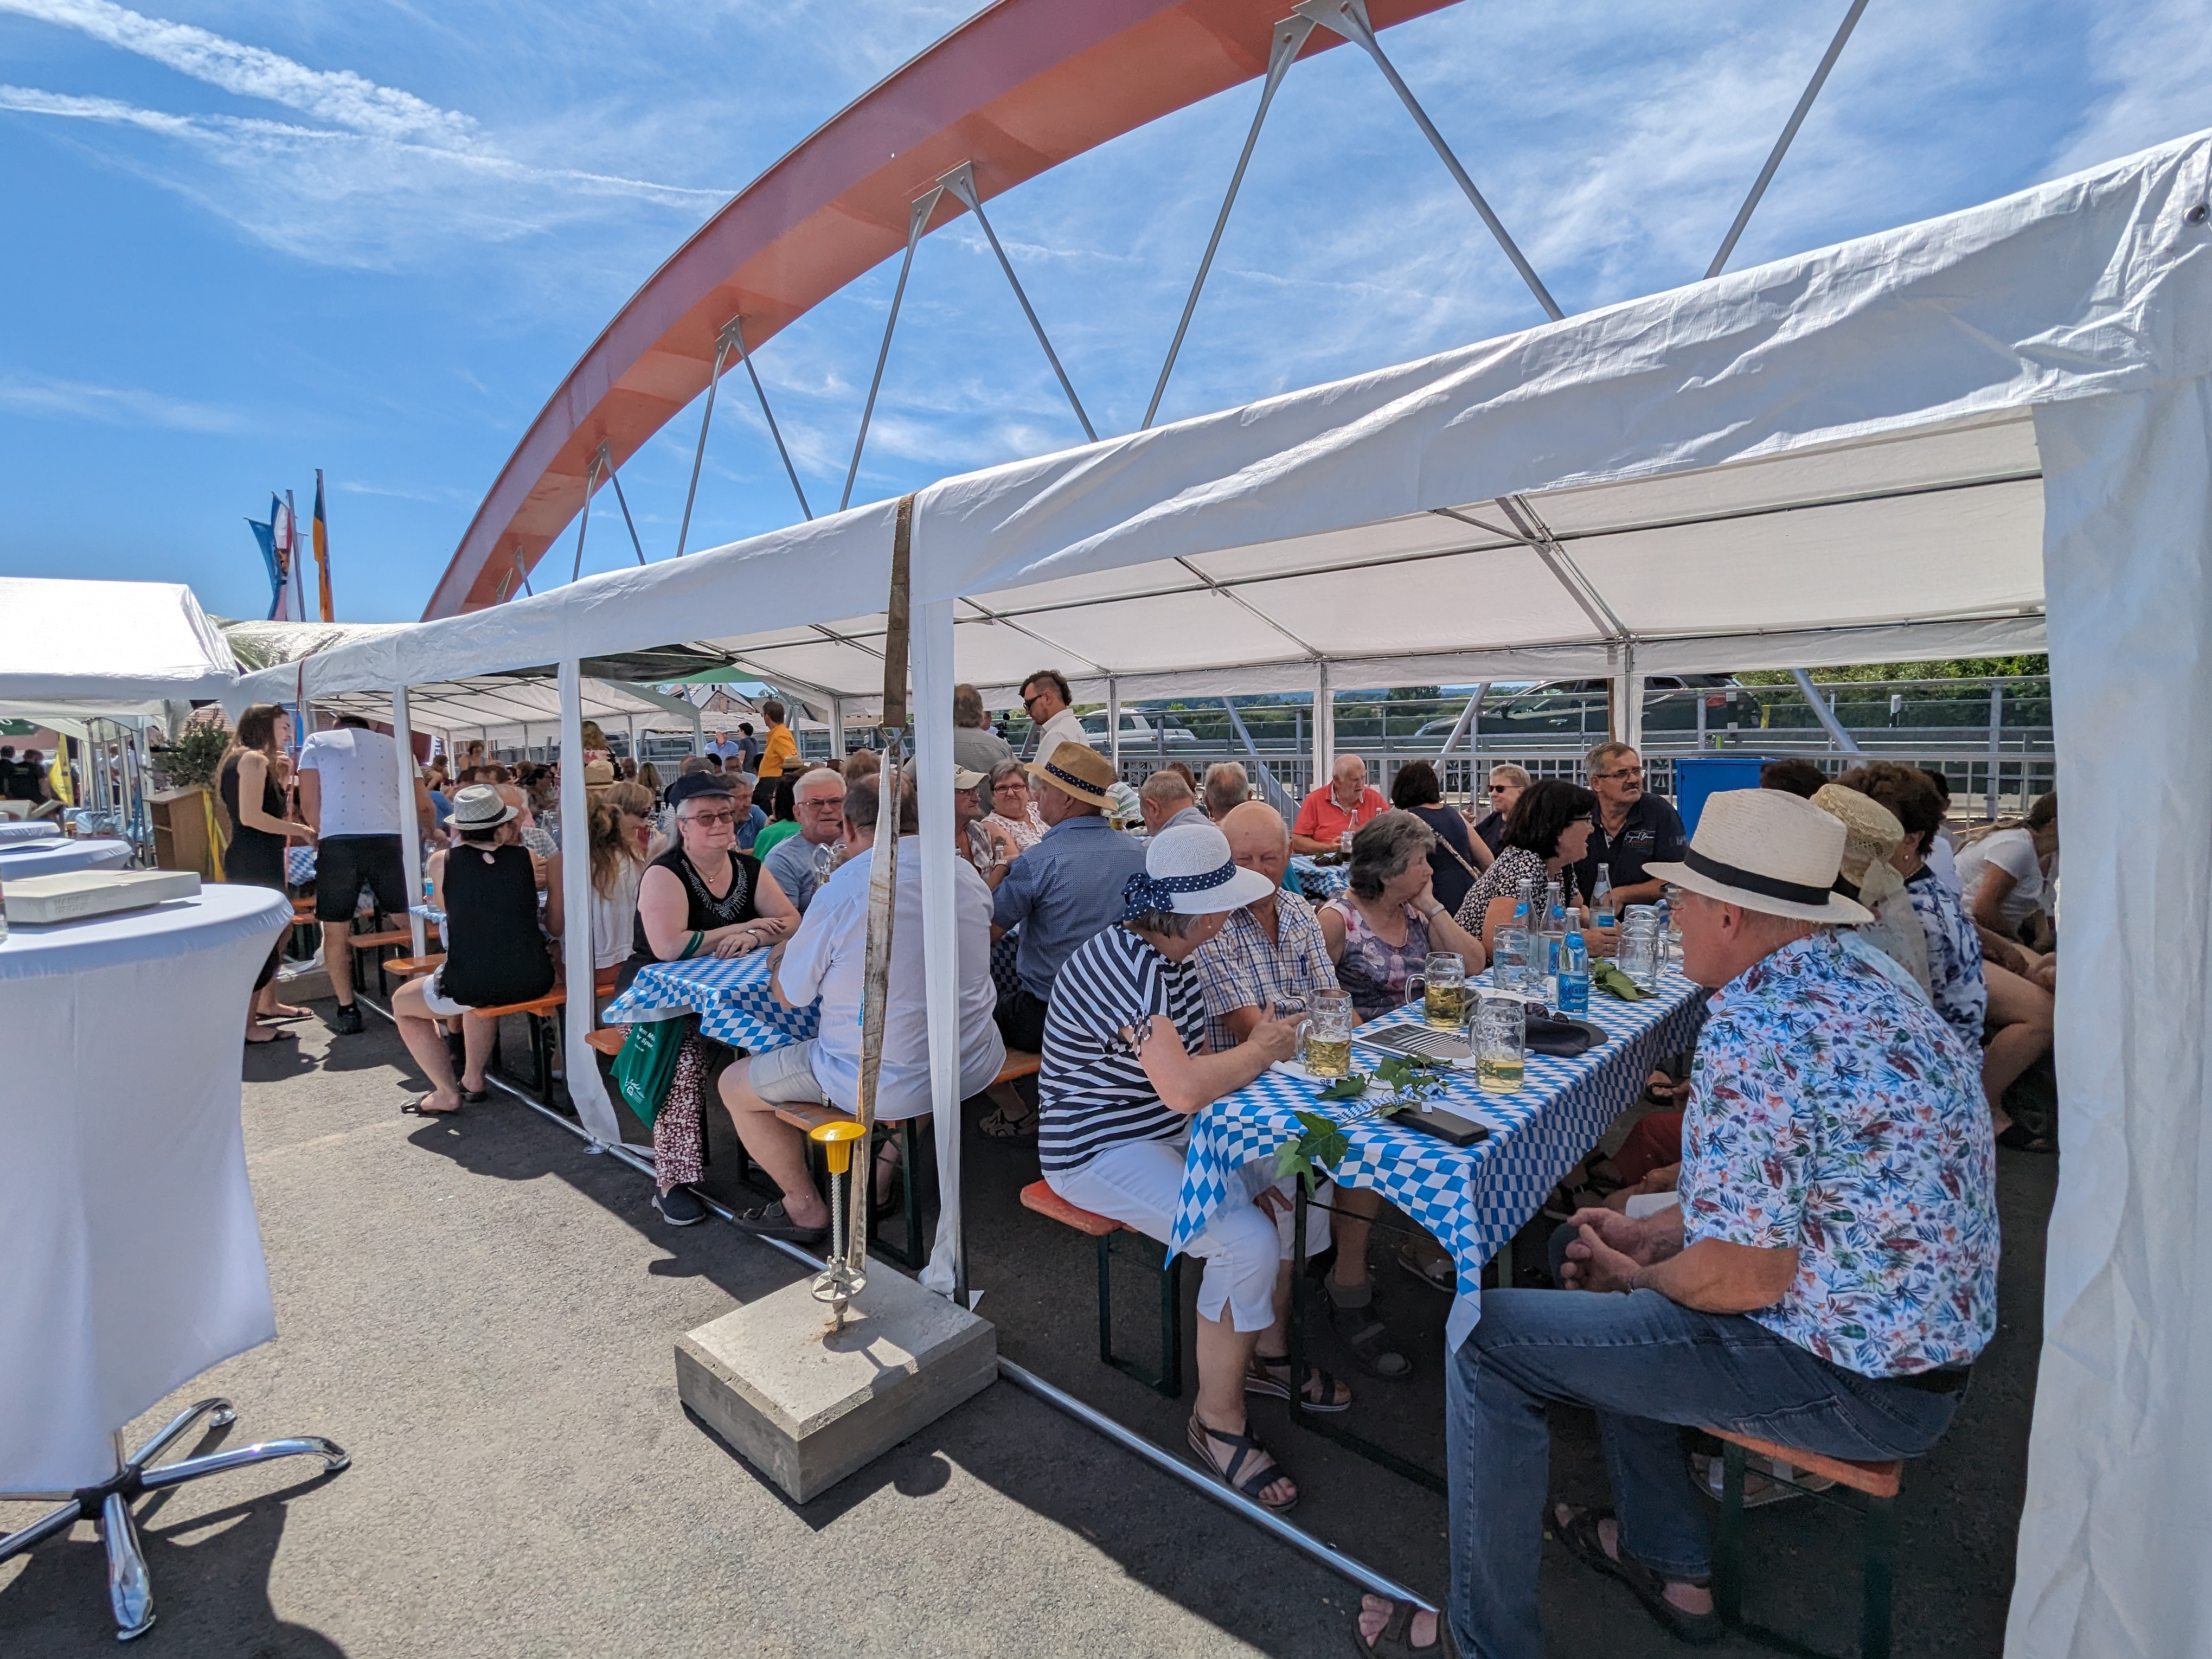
point(1324, 725)
point(1782, 144)
point(593, 1110)
point(1290, 34)
point(1349, 19)
point(1834, 727)
point(917, 219)
point(836, 728)
point(411, 832)
point(960, 181)
point(1113, 722)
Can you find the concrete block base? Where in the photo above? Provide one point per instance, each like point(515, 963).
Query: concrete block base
point(807, 1408)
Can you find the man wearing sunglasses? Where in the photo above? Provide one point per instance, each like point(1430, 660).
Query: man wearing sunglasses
point(1045, 696)
point(1633, 828)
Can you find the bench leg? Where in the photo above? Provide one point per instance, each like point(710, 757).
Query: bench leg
point(1728, 1552)
point(1875, 1585)
point(1168, 1380)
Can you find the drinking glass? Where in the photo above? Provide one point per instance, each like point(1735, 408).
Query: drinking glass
point(1640, 950)
point(1509, 970)
point(1500, 1040)
point(1326, 1041)
point(1442, 987)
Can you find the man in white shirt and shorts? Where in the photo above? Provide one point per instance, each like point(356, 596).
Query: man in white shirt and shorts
point(349, 791)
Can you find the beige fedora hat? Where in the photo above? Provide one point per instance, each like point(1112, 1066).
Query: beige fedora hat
point(1767, 851)
point(1077, 769)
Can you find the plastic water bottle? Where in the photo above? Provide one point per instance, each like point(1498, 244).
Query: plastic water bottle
point(1524, 907)
point(1574, 976)
point(1602, 906)
point(1555, 923)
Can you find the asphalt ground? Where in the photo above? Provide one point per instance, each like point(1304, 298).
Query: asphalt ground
point(482, 1313)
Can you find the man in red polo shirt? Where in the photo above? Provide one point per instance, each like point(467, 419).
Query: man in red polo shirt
point(1344, 803)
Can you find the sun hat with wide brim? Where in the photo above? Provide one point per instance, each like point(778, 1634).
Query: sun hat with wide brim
point(480, 807)
point(1767, 851)
point(598, 774)
point(967, 778)
point(1077, 770)
point(1187, 869)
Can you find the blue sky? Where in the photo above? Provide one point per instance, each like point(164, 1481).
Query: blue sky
point(243, 240)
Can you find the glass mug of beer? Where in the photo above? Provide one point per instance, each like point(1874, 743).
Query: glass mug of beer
point(1441, 989)
point(1325, 1042)
point(1499, 1036)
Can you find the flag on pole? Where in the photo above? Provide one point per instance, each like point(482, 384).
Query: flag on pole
point(265, 535)
point(293, 562)
point(322, 550)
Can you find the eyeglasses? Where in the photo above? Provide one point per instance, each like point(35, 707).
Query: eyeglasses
point(1030, 701)
point(711, 817)
point(1623, 772)
point(822, 804)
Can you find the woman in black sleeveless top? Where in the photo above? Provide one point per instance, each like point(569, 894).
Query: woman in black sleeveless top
point(495, 953)
point(258, 836)
point(702, 897)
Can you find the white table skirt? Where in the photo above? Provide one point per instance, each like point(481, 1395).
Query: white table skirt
point(34, 830)
point(23, 859)
point(126, 1221)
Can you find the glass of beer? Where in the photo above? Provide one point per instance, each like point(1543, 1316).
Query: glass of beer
point(1444, 993)
point(1500, 1040)
point(1326, 1050)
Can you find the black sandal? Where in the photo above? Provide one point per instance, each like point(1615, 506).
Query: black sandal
point(1260, 1378)
point(1395, 1639)
point(997, 1126)
point(1579, 1533)
point(1367, 1338)
point(1242, 1446)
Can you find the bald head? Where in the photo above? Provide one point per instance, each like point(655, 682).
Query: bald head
point(1258, 839)
point(1350, 776)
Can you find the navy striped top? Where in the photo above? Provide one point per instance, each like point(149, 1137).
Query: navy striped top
point(1092, 1091)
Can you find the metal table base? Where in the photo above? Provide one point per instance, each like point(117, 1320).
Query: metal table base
point(130, 1590)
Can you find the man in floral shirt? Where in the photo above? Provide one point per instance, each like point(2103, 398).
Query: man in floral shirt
point(1826, 1283)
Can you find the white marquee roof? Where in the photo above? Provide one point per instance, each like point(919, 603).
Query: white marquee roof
point(86, 649)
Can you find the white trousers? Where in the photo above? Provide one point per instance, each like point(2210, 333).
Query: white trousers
point(1139, 1181)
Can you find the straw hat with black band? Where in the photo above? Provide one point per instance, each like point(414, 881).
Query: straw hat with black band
point(1770, 852)
point(1078, 771)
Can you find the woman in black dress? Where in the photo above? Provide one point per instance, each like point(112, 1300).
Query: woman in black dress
point(495, 950)
point(259, 835)
point(1415, 790)
point(700, 897)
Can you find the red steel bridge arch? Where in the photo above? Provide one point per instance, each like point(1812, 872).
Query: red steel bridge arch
point(1017, 89)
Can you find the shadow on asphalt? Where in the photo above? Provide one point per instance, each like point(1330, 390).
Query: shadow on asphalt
point(1957, 1517)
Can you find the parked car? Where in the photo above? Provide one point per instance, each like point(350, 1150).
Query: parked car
point(1574, 711)
point(1137, 732)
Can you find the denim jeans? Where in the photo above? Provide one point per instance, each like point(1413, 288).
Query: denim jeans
point(1646, 1365)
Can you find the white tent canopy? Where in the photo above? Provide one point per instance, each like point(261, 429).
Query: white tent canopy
point(503, 708)
point(91, 649)
point(1922, 443)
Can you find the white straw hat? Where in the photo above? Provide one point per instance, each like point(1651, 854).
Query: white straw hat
point(1767, 851)
point(1188, 869)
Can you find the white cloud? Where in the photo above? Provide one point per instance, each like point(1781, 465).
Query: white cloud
point(39, 394)
point(338, 96)
point(2156, 61)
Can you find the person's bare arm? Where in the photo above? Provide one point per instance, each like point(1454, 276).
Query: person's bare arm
point(1332, 930)
point(426, 811)
point(1641, 892)
point(1310, 845)
point(311, 798)
point(1446, 934)
point(554, 912)
point(252, 776)
point(1712, 1276)
point(666, 913)
point(1189, 1082)
point(1988, 902)
point(1498, 913)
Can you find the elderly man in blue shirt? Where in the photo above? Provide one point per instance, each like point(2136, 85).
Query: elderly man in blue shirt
point(1060, 893)
point(1826, 1279)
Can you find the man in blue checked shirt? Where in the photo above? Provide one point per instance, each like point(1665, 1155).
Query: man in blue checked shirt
point(1826, 1282)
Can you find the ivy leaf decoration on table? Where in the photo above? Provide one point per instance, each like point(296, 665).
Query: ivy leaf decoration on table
point(1322, 1144)
point(1348, 1087)
point(1608, 978)
point(1412, 1078)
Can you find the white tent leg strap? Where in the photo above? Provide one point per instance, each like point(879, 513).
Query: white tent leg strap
point(410, 830)
point(947, 1273)
point(594, 1109)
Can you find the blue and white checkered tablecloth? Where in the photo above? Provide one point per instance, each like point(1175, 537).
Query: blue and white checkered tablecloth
point(299, 866)
point(1474, 1198)
point(731, 996)
point(1320, 882)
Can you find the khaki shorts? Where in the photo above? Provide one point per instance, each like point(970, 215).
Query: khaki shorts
point(785, 1077)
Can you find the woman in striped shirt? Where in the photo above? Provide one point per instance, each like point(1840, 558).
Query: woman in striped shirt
point(1126, 1066)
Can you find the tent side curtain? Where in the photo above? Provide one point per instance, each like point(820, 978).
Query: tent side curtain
point(1835, 440)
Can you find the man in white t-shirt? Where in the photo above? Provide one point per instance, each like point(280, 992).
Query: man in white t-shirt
point(349, 791)
point(1045, 696)
point(827, 958)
